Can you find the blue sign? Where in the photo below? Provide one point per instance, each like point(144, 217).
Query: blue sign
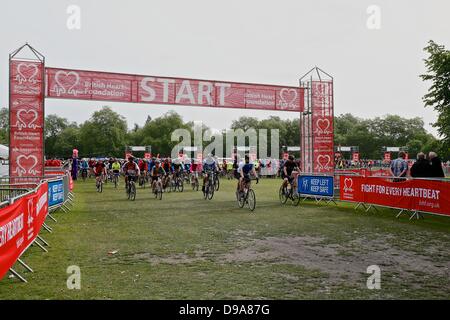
point(322, 186)
point(55, 192)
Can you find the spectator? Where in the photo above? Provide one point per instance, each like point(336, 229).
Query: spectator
point(436, 166)
point(421, 168)
point(399, 167)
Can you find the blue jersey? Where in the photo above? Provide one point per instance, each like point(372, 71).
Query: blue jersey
point(209, 166)
point(247, 168)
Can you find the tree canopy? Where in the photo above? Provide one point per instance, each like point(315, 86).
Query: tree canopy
point(438, 96)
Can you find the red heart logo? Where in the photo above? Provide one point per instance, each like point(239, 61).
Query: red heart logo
point(26, 165)
point(288, 98)
point(66, 82)
point(348, 184)
point(323, 161)
point(323, 125)
point(26, 119)
point(26, 72)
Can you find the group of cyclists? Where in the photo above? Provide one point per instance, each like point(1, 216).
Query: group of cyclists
point(163, 173)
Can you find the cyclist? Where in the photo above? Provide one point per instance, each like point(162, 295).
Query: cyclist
point(143, 166)
point(84, 167)
point(156, 173)
point(245, 170)
point(131, 170)
point(194, 171)
point(99, 171)
point(209, 167)
point(115, 167)
point(289, 173)
point(91, 164)
point(167, 166)
point(177, 168)
point(151, 163)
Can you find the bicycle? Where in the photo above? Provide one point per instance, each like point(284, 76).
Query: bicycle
point(247, 196)
point(84, 174)
point(177, 183)
point(194, 182)
point(131, 188)
point(115, 179)
point(167, 183)
point(216, 181)
point(99, 184)
point(208, 193)
point(158, 190)
point(142, 181)
point(286, 192)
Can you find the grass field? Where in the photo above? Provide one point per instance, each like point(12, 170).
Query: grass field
point(184, 247)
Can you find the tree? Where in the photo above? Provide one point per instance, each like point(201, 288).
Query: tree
point(54, 126)
point(104, 134)
point(158, 132)
point(67, 141)
point(438, 96)
point(4, 126)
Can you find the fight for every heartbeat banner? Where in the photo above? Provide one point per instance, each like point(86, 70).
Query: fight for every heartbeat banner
point(422, 195)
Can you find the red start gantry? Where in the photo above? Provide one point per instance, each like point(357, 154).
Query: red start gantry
point(31, 82)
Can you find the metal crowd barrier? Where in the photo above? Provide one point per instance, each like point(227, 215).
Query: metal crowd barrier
point(336, 193)
point(13, 188)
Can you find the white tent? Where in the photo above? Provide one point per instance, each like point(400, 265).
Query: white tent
point(4, 152)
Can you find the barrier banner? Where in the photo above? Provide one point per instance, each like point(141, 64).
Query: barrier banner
point(422, 195)
point(55, 192)
point(322, 126)
point(20, 224)
point(322, 186)
point(70, 181)
point(94, 85)
point(26, 118)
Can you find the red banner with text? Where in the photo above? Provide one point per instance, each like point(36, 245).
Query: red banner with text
point(322, 126)
point(418, 194)
point(20, 224)
point(26, 118)
point(94, 85)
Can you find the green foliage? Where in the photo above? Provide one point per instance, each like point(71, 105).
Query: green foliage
point(104, 134)
point(390, 131)
point(4, 126)
point(438, 96)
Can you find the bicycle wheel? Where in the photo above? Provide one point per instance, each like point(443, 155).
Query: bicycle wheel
point(251, 200)
point(240, 199)
point(132, 191)
point(159, 193)
point(180, 185)
point(115, 181)
point(206, 191)
point(211, 192)
point(216, 184)
point(295, 199)
point(283, 195)
point(100, 187)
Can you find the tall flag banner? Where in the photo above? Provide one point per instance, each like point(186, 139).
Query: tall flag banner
point(26, 118)
point(322, 126)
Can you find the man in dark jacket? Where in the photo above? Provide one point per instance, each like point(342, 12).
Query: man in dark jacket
point(436, 166)
point(421, 168)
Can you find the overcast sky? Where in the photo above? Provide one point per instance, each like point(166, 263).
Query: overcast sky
point(376, 71)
